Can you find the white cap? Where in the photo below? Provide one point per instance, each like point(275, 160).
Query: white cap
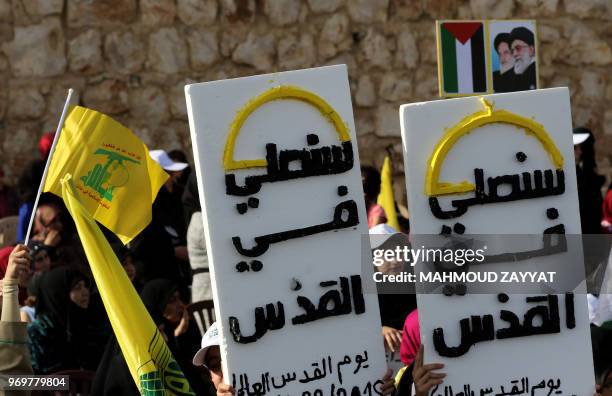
point(382, 229)
point(211, 338)
point(579, 138)
point(380, 233)
point(162, 158)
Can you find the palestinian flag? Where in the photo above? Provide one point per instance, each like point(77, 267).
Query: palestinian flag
point(463, 57)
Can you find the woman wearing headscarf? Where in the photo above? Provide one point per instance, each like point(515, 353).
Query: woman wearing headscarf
point(191, 198)
point(64, 335)
point(162, 300)
point(41, 264)
point(590, 200)
point(55, 230)
point(126, 258)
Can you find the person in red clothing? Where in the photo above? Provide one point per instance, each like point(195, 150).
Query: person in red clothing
point(606, 222)
point(418, 378)
point(370, 179)
point(411, 338)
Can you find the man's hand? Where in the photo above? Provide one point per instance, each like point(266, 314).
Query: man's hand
point(19, 262)
point(423, 375)
point(225, 390)
point(393, 338)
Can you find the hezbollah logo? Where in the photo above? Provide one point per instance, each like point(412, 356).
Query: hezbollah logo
point(162, 375)
point(105, 178)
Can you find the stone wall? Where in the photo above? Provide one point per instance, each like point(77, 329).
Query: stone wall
point(130, 59)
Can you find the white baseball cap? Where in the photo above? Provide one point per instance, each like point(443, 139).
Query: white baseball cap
point(211, 338)
point(579, 138)
point(162, 158)
point(380, 233)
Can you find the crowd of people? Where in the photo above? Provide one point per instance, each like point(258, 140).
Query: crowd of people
point(59, 308)
point(53, 312)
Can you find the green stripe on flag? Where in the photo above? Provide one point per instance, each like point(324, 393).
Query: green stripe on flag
point(449, 61)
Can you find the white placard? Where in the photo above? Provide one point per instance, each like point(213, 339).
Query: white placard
point(441, 153)
point(280, 185)
point(394, 362)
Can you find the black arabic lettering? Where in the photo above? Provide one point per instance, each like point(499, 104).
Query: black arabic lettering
point(327, 160)
point(345, 216)
point(517, 387)
point(548, 314)
point(538, 189)
point(360, 360)
point(333, 302)
point(318, 372)
point(478, 329)
point(346, 360)
point(271, 319)
point(481, 330)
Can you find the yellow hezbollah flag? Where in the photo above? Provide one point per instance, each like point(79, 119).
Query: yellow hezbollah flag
point(150, 361)
point(385, 198)
point(115, 178)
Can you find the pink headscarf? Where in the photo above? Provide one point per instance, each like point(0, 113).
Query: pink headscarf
point(411, 338)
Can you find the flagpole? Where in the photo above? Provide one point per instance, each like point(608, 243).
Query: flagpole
point(44, 175)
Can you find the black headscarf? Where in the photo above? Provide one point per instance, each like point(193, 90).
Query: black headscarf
point(191, 199)
point(589, 186)
point(64, 335)
point(113, 375)
point(155, 295)
point(53, 299)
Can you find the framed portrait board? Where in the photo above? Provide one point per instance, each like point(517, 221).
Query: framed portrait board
point(478, 57)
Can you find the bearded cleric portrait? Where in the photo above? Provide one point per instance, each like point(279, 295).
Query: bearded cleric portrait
point(513, 54)
point(504, 77)
point(522, 46)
